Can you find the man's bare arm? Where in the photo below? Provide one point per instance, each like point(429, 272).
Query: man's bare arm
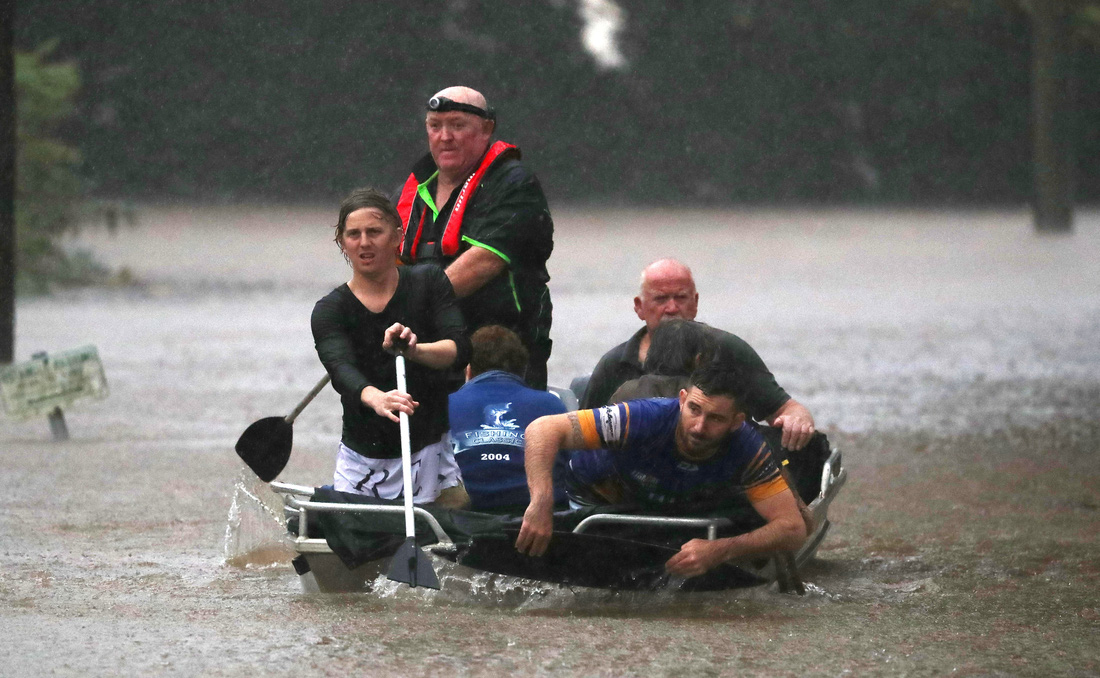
point(784, 531)
point(797, 424)
point(472, 269)
point(544, 439)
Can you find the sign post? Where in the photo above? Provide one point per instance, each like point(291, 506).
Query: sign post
point(46, 384)
point(56, 417)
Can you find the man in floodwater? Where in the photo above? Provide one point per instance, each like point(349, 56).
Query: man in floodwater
point(693, 453)
point(488, 417)
point(668, 291)
point(471, 207)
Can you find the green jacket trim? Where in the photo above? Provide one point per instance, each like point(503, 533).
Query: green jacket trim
point(511, 277)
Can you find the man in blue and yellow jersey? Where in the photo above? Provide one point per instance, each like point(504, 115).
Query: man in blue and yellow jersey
point(694, 452)
point(471, 207)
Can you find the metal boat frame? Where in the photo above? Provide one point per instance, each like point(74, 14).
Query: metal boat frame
point(325, 572)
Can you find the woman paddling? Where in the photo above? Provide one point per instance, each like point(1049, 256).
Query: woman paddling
point(355, 328)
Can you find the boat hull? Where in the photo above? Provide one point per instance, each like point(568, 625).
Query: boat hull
point(603, 549)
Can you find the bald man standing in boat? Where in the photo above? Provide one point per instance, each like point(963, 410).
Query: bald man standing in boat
point(668, 291)
point(471, 207)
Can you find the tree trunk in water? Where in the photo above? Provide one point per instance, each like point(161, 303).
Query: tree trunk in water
point(1052, 111)
point(7, 182)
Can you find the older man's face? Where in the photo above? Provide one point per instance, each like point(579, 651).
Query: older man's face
point(457, 140)
point(664, 297)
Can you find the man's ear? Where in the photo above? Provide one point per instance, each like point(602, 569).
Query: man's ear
point(638, 307)
point(683, 396)
point(469, 373)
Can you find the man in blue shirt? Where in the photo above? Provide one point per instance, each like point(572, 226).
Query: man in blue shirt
point(670, 454)
point(488, 417)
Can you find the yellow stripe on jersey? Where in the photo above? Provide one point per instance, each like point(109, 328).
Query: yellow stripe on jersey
point(758, 459)
point(766, 489)
point(587, 421)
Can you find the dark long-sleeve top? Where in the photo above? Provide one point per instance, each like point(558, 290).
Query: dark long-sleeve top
point(348, 338)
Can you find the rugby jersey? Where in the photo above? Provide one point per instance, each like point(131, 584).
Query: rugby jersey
point(638, 446)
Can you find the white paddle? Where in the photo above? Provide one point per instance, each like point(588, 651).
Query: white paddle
point(409, 564)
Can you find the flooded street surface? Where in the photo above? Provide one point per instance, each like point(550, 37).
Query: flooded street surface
point(954, 357)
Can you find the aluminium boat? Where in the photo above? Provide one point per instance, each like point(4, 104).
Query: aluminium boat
point(344, 542)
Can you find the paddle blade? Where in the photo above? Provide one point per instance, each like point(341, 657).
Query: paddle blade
point(413, 566)
point(265, 447)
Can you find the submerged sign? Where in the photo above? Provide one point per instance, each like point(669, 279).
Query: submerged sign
point(38, 387)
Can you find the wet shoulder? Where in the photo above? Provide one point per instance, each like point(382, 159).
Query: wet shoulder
point(649, 417)
point(734, 344)
point(653, 408)
point(513, 175)
point(334, 301)
point(747, 445)
point(547, 401)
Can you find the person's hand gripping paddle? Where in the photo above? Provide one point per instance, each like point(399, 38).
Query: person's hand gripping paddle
point(409, 564)
point(265, 445)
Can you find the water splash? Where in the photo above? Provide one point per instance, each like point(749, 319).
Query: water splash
point(255, 530)
point(465, 587)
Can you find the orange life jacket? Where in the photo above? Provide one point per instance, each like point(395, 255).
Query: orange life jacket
point(452, 232)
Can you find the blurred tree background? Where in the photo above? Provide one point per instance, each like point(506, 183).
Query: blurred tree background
point(48, 190)
point(715, 103)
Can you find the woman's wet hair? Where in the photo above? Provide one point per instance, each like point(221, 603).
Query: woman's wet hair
point(497, 348)
point(677, 347)
point(365, 198)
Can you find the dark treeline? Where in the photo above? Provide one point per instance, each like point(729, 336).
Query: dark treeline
point(720, 102)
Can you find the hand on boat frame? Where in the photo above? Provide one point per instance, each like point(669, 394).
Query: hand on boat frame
point(696, 557)
point(534, 534)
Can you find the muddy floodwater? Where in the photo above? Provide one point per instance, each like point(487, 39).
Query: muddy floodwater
point(954, 357)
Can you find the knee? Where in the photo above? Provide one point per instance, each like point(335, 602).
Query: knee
point(453, 498)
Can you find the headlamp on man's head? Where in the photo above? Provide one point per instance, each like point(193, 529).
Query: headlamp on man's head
point(443, 105)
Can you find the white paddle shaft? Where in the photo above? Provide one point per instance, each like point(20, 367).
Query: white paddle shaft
point(406, 453)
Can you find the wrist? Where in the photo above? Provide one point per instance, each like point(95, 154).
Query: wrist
point(726, 549)
point(542, 499)
point(367, 395)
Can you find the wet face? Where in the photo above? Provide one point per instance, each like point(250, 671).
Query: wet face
point(370, 242)
point(705, 422)
point(457, 140)
point(665, 297)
